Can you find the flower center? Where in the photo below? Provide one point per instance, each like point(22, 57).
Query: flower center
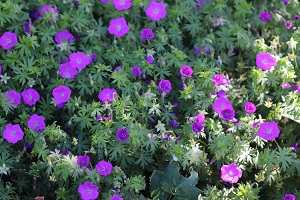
point(13, 133)
point(156, 11)
point(62, 94)
point(89, 191)
point(269, 131)
point(264, 61)
point(103, 168)
point(8, 41)
point(78, 60)
point(30, 97)
point(124, 135)
point(119, 27)
point(122, 2)
point(230, 173)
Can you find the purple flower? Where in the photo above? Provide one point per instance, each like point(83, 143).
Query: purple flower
point(296, 17)
point(164, 86)
point(182, 86)
point(83, 161)
point(63, 36)
point(289, 197)
point(13, 97)
point(265, 61)
point(205, 50)
point(122, 4)
point(13, 133)
point(156, 11)
point(60, 105)
point(92, 57)
point(147, 34)
point(176, 104)
point(295, 87)
point(0, 69)
point(197, 127)
point(104, 168)
point(136, 71)
point(61, 94)
point(151, 135)
point(217, 79)
point(227, 114)
point(285, 85)
point(288, 24)
point(249, 108)
point(27, 26)
point(76, 3)
point(200, 2)
point(176, 139)
point(79, 60)
point(186, 71)
point(196, 50)
point(107, 95)
point(118, 27)
point(52, 11)
point(35, 14)
point(104, 1)
point(8, 40)
point(268, 130)
point(115, 197)
point(150, 59)
point(265, 16)
point(286, 1)
point(36, 123)
point(122, 135)
point(221, 104)
point(117, 68)
point(66, 70)
point(174, 123)
point(200, 118)
point(27, 145)
point(88, 191)
point(231, 173)
point(294, 146)
point(221, 93)
point(30, 96)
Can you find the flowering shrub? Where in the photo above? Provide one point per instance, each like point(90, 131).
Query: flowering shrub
point(136, 99)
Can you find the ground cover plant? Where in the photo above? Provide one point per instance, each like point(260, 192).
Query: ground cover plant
point(141, 99)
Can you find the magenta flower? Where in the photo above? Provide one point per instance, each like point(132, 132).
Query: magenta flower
point(265, 61)
point(13, 97)
point(0, 69)
point(249, 108)
point(156, 11)
point(30, 96)
point(61, 94)
point(27, 26)
point(122, 4)
point(289, 197)
point(286, 1)
point(227, 114)
point(104, 168)
point(66, 70)
point(164, 86)
point(118, 27)
point(107, 95)
point(221, 93)
point(13, 133)
point(36, 123)
point(186, 71)
point(265, 16)
point(217, 79)
point(63, 36)
point(150, 59)
point(79, 60)
point(197, 127)
point(136, 71)
point(231, 173)
point(115, 197)
point(147, 34)
point(200, 118)
point(268, 130)
point(83, 161)
point(88, 191)
point(53, 12)
point(285, 85)
point(221, 104)
point(122, 135)
point(8, 40)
